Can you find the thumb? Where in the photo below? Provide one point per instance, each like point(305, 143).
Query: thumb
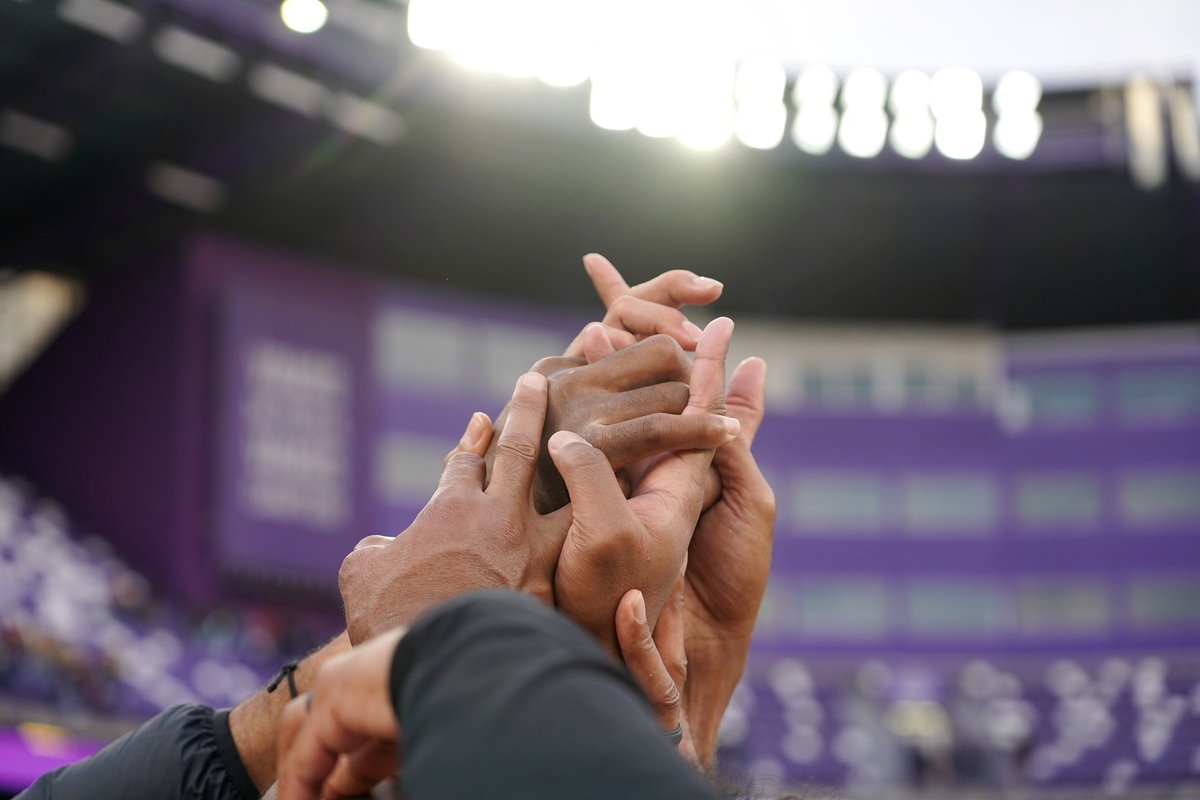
point(597, 502)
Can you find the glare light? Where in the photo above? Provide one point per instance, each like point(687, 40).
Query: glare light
point(761, 115)
point(816, 85)
point(961, 136)
point(760, 80)
point(196, 54)
point(186, 187)
point(910, 93)
point(1016, 92)
point(863, 132)
point(431, 23)
point(912, 134)
point(103, 17)
point(304, 16)
point(614, 93)
point(1016, 135)
point(864, 88)
point(287, 89)
point(705, 116)
point(761, 127)
point(1185, 135)
point(956, 100)
point(912, 129)
point(815, 128)
point(955, 90)
point(34, 136)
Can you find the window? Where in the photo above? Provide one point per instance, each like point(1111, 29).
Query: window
point(407, 467)
point(416, 349)
point(1058, 501)
point(1062, 606)
point(842, 608)
point(1159, 396)
point(949, 505)
point(1172, 602)
point(1160, 497)
point(1065, 400)
point(955, 608)
point(838, 503)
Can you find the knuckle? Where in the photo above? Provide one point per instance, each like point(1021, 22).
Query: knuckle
point(667, 695)
point(553, 365)
point(518, 446)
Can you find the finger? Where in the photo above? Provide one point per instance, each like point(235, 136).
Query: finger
point(597, 504)
point(608, 282)
point(668, 397)
point(518, 445)
point(475, 438)
point(462, 470)
point(627, 442)
point(596, 342)
point(679, 287)
point(649, 362)
point(358, 772)
point(669, 631)
point(305, 760)
point(643, 660)
point(744, 396)
point(708, 372)
point(644, 318)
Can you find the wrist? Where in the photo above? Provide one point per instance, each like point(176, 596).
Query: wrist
point(254, 722)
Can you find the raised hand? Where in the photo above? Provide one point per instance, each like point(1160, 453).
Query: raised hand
point(643, 310)
point(468, 537)
point(615, 545)
point(728, 561)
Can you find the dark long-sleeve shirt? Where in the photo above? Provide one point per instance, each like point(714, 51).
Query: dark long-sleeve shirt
point(497, 697)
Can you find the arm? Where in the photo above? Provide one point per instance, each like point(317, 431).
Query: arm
point(253, 724)
point(188, 751)
point(497, 697)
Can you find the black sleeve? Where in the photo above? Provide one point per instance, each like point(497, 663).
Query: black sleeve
point(500, 697)
point(186, 752)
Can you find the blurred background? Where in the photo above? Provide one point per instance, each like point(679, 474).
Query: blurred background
point(259, 262)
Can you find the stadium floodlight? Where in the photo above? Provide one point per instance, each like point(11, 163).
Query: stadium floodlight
point(705, 113)
point(816, 85)
point(912, 127)
point(816, 125)
point(961, 136)
point(1016, 135)
point(1018, 124)
point(431, 23)
point(956, 100)
point(912, 134)
point(1016, 92)
point(304, 16)
point(815, 129)
point(614, 93)
point(761, 114)
point(863, 131)
point(864, 125)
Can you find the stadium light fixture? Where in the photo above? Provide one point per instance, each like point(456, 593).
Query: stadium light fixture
point(956, 100)
point(304, 16)
point(761, 114)
point(864, 125)
point(816, 123)
point(1018, 123)
point(912, 126)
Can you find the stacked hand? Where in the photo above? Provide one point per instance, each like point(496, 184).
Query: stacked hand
point(702, 639)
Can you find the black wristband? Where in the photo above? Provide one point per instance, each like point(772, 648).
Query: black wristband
point(286, 671)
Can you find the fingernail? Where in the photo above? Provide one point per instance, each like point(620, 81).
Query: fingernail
point(564, 438)
point(639, 608)
point(707, 283)
point(693, 329)
point(534, 380)
point(474, 430)
point(732, 426)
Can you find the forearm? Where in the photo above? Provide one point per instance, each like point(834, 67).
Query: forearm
point(254, 722)
point(713, 676)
